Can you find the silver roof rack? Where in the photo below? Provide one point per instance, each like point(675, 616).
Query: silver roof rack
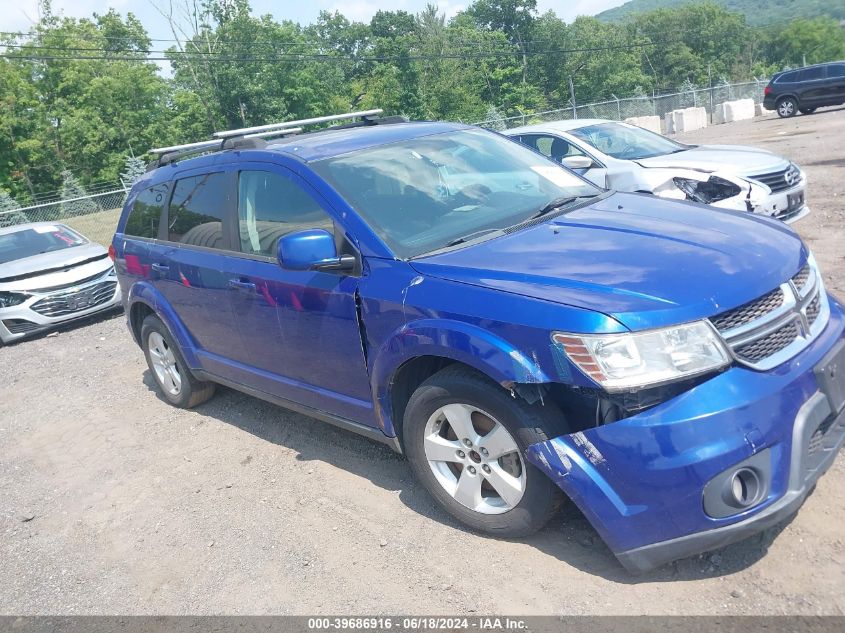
point(262, 131)
point(289, 124)
point(216, 144)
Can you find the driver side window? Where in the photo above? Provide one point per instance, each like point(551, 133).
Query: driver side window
point(553, 147)
point(271, 205)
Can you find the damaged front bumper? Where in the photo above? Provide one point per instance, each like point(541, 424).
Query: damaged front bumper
point(788, 205)
point(643, 481)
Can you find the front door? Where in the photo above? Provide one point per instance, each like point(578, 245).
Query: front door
point(557, 148)
point(300, 332)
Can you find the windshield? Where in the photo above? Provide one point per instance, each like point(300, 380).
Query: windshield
point(427, 193)
point(626, 142)
point(35, 240)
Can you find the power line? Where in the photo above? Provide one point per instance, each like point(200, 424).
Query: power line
point(158, 55)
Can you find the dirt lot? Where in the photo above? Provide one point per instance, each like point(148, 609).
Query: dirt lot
point(114, 502)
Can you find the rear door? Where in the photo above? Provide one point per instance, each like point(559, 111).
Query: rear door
point(836, 83)
point(132, 262)
point(189, 262)
point(813, 87)
point(299, 329)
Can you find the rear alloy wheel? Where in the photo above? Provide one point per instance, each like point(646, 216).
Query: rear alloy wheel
point(171, 373)
point(787, 107)
point(806, 110)
point(466, 437)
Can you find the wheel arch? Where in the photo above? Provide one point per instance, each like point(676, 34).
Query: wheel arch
point(144, 300)
point(420, 349)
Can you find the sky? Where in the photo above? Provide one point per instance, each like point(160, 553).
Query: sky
point(18, 15)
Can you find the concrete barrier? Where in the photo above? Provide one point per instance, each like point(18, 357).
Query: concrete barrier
point(734, 111)
point(685, 120)
point(647, 122)
point(759, 110)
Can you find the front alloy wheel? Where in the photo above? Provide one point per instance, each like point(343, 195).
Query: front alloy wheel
point(474, 458)
point(466, 437)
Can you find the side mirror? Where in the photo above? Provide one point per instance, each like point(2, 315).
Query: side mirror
point(312, 249)
point(577, 162)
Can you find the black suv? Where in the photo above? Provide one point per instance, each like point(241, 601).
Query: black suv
point(806, 89)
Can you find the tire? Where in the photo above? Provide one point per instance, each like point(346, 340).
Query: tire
point(457, 395)
point(806, 110)
point(173, 378)
point(787, 107)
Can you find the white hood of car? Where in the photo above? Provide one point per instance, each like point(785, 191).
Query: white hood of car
point(65, 266)
point(734, 159)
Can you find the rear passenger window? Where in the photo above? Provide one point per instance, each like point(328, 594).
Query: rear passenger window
point(787, 78)
point(810, 74)
point(271, 205)
point(145, 216)
point(197, 211)
point(837, 71)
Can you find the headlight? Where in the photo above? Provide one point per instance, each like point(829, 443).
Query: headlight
point(640, 359)
point(9, 299)
point(711, 190)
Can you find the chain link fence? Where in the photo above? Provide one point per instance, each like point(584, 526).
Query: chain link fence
point(642, 105)
point(94, 216)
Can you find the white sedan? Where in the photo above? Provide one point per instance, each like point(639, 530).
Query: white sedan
point(50, 274)
point(619, 156)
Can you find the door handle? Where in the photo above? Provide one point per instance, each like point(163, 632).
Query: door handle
point(160, 268)
point(238, 284)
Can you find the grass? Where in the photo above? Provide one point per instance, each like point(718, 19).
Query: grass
point(98, 227)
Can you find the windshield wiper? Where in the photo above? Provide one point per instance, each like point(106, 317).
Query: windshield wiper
point(471, 236)
point(555, 204)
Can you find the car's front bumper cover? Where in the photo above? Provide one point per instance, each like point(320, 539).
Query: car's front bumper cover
point(640, 481)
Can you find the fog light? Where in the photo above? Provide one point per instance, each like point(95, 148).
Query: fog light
point(745, 487)
point(739, 488)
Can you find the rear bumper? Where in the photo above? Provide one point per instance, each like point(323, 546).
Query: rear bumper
point(641, 481)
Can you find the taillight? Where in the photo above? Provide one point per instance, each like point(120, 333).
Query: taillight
point(767, 90)
point(112, 252)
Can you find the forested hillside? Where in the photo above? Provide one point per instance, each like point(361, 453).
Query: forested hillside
point(757, 12)
point(83, 94)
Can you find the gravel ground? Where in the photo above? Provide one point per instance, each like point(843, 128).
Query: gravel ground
point(115, 503)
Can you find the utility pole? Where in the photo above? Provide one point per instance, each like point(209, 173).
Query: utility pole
point(572, 98)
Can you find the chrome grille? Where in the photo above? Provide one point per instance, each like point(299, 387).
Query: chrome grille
point(773, 328)
point(769, 344)
point(813, 309)
point(779, 180)
point(801, 278)
point(20, 326)
point(77, 300)
point(749, 311)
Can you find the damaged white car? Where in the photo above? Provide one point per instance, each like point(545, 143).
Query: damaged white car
point(619, 156)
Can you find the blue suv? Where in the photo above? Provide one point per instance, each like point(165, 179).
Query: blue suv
point(521, 335)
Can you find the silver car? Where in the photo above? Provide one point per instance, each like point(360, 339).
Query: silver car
point(50, 274)
point(628, 158)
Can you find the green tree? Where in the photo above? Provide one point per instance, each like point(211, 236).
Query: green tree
point(10, 213)
point(133, 169)
point(73, 195)
point(806, 41)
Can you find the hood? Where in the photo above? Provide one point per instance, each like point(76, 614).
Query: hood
point(41, 271)
point(733, 159)
point(645, 261)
